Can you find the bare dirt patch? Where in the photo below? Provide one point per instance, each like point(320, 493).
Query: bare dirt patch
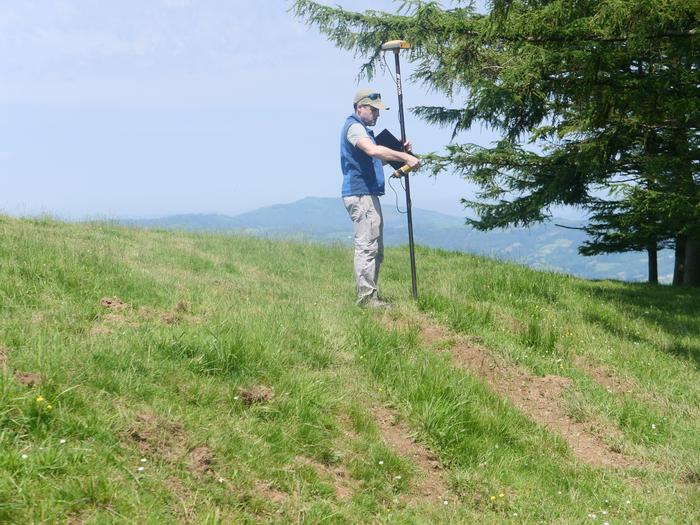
point(4, 352)
point(434, 334)
point(113, 303)
point(255, 395)
point(605, 377)
point(123, 315)
point(397, 435)
point(269, 492)
point(176, 316)
point(28, 379)
point(200, 461)
point(540, 398)
point(157, 437)
point(337, 475)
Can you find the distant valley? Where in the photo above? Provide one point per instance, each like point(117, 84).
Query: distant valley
point(544, 246)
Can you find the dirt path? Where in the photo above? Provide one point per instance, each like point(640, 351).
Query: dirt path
point(430, 485)
point(540, 398)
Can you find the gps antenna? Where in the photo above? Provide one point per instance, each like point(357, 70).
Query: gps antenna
point(396, 46)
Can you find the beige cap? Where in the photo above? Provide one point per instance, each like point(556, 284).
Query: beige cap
point(369, 97)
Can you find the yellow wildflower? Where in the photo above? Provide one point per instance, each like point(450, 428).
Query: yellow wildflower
point(40, 399)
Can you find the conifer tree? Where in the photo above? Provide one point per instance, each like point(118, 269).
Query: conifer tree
point(587, 95)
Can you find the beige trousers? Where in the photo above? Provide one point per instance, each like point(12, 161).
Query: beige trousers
point(366, 214)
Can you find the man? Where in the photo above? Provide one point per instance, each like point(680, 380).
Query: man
point(361, 160)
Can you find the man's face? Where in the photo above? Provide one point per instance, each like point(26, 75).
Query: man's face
point(368, 114)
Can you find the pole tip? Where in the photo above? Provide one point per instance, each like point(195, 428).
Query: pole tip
point(395, 45)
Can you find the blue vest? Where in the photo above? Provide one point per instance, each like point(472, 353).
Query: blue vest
point(362, 174)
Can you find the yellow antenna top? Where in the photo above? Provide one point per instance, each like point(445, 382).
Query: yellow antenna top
point(395, 44)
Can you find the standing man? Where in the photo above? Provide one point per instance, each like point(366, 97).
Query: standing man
point(361, 160)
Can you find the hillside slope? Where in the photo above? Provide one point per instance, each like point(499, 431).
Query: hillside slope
point(163, 377)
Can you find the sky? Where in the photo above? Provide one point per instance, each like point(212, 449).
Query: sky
point(147, 108)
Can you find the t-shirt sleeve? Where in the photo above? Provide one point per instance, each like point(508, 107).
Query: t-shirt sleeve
point(356, 132)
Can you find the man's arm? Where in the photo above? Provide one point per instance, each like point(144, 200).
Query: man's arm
point(385, 154)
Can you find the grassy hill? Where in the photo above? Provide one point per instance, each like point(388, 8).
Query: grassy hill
point(163, 377)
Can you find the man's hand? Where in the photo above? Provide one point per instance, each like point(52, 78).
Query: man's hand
point(412, 161)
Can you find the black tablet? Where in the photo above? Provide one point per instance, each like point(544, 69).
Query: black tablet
point(386, 139)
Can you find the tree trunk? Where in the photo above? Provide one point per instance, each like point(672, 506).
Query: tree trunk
point(679, 266)
point(653, 264)
point(691, 275)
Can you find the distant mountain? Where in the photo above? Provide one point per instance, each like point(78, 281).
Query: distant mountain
point(544, 246)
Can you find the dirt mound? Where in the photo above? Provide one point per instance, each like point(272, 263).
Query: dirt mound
point(28, 379)
point(258, 394)
point(113, 303)
point(269, 492)
point(157, 437)
point(200, 461)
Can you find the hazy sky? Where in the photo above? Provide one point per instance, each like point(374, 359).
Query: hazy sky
point(144, 108)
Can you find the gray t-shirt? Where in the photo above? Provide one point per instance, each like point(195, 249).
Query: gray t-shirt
point(356, 132)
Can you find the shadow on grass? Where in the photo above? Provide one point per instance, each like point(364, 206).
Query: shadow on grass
point(672, 311)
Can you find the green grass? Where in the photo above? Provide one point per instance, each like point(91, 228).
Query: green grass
point(210, 314)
